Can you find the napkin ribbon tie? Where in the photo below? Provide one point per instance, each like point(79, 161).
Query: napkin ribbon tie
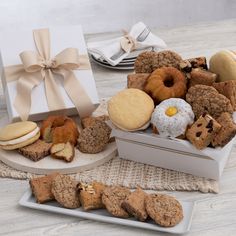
point(37, 66)
point(128, 43)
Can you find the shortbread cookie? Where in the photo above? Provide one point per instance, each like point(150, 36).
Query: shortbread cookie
point(163, 209)
point(228, 89)
point(19, 134)
point(94, 139)
point(130, 109)
point(90, 121)
point(113, 197)
point(227, 131)
point(64, 191)
point(137, 81)
point(206, 99)
point(41, 188)
point(36, 151)
point(90, 195)
point(201, 133)
point(198, 76)
point(134, 204)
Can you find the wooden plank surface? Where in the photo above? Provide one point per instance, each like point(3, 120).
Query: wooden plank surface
point(215, 214)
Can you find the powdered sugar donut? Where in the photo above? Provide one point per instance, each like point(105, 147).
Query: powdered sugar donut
point(171, 117)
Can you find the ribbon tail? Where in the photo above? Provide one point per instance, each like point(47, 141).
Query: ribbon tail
point(22, 102)
point(77, 93)
point(54, 98)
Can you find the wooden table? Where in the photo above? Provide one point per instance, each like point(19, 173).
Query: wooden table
point(215, 214)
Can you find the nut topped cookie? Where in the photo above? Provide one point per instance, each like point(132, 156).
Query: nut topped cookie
point(113, 197)
point(163, 209)
point(64, 191)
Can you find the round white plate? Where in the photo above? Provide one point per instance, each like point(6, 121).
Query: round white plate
point(47, 165)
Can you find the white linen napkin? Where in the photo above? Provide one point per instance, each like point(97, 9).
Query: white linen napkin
point(108, 48)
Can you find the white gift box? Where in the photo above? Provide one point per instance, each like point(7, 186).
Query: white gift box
point(174, 154)
point(12, 43)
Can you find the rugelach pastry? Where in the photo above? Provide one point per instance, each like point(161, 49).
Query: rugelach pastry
point(163, 209)
point(41, 188)
point(228, 89)
point(64, 191)
point(201, 133)
point(198, 62)
point(223, 64)
point(94, 139)
point(19, 134)
point(90, 195)
point(166, 82)
point(134, 204)
point(206, 99)
point(227, 131)
point(113, 197)
point(172, 117)
point(137, 81)
point(130, 109)
point(36, 151)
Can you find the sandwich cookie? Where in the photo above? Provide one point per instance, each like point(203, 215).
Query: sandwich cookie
point(223, 64)
point(19, 134)
point(131, 109)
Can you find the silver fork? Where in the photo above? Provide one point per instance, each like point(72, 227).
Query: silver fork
point(142, 36)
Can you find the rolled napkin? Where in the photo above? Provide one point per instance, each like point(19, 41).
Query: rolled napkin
point(138, 38)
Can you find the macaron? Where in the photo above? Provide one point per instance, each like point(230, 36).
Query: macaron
point(19, 134)
point(131, 109)
point(223, 64)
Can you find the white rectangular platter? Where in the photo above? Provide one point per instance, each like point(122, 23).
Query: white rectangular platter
point(102, 215)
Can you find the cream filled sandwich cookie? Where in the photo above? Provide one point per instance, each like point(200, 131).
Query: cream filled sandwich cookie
point(19, 134)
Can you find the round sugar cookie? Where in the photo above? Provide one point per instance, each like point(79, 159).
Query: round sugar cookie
point(223, 64)
point(16, 130)
point(21, 144)
point(130, 109)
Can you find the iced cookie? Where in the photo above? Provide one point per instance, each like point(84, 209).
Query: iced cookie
point(19, 134)
point(113, 197)
point(134, 204)
point(64, 191)
point(130, 109)
point(163, 209)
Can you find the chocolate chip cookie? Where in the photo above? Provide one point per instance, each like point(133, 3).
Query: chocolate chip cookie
point(163, 209)
point(113, 197)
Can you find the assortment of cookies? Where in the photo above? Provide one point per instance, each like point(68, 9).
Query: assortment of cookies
point(191, 102)
point(119, 201)
point(58, 137)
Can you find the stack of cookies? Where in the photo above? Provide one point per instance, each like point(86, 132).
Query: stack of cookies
point(179, 98)
point(119, 201)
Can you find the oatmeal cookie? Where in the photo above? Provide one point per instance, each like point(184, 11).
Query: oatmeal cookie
point(147, 62)
point(164, 210)
point(206, 99)
point(227, 131)
point(113, 197)
point(94, 139)
point(134, 204)
point(90, 121)
point(64, 191)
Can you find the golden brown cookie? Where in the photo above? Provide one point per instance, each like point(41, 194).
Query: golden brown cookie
point(64, 191)
point(130, 109)
point(94, 139)
point(113, 197)
point(134, 204)
point(90, 195)
point(41, 188)
point(206, 99)
point(90, 121)
point(163, 209)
